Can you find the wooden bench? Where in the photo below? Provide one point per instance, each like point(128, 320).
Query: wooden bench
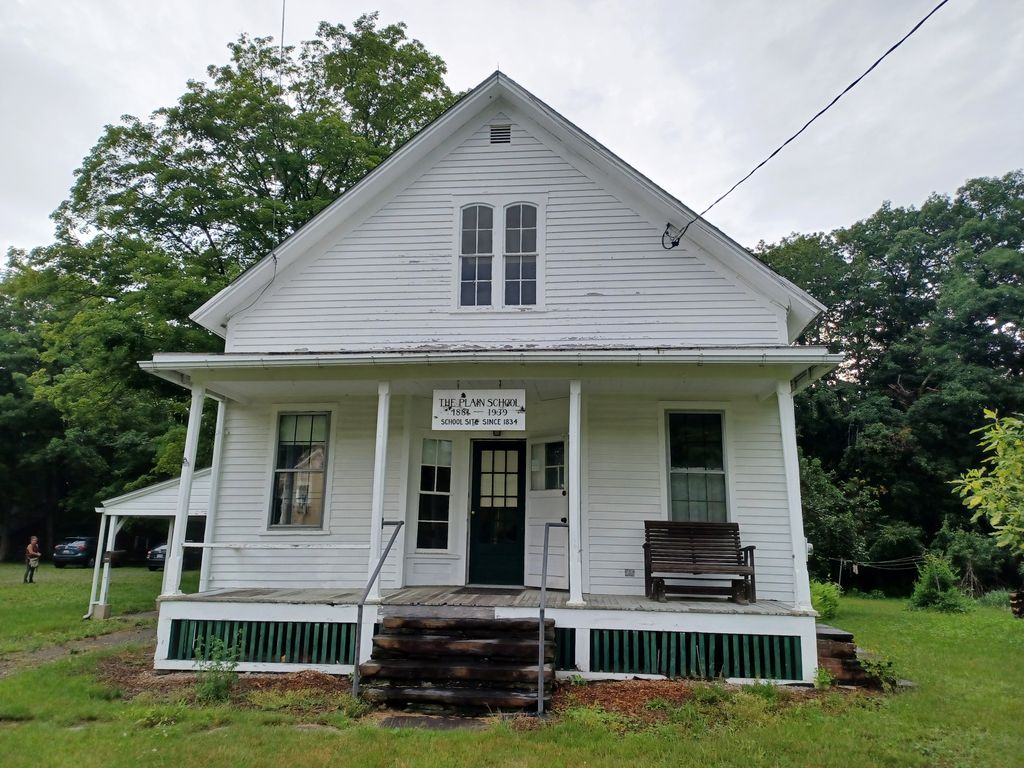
point(676, 550)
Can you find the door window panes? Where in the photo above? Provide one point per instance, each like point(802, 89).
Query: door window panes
point(547, 466)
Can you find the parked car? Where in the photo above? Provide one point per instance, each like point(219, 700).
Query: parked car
point(82, 550)
point(157, 555)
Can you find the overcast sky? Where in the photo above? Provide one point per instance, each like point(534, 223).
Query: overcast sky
point(692, 93)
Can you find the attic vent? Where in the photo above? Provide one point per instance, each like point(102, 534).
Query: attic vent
point(501, 134)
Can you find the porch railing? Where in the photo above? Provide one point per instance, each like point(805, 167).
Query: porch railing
point(362, 601)
point(543, 606)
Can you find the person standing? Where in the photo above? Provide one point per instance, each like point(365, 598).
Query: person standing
point(32, 555)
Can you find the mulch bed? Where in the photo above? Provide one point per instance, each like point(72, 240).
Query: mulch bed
point(132, 674)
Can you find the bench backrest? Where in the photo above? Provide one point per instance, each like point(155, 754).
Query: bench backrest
point(676, 543)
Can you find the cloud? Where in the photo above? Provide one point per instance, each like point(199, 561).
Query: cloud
point(693, 94)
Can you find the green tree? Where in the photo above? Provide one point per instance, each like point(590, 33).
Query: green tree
point(166, 211)
point(995, 490)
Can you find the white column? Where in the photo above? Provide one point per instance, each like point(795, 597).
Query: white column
point(787, 422)
point(575, 488)
point(113, 526)
point(379, 473)
point(167, 552)
point(99, 562)
point(175, 547)
point(211, 506)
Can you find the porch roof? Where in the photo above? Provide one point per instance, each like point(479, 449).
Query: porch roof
point(228, 374)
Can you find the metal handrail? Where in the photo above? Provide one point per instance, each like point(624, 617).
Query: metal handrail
point(543, 606)
point(362, 601)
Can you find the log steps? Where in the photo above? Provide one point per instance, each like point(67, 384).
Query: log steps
point(837, 652)
point(458, 663)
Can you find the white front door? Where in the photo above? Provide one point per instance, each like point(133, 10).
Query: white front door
point(546, 502)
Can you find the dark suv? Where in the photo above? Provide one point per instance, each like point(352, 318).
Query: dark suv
point(75, 550)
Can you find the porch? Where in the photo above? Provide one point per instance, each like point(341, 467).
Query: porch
point(612, 637)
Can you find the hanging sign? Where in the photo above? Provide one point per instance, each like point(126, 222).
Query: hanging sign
point(480, 409)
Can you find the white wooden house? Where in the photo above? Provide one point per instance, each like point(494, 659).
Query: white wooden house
point(483, 336)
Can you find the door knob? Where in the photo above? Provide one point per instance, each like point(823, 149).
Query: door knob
point(563, 520)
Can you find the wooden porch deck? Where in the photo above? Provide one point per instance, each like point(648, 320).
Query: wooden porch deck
point(484, 598)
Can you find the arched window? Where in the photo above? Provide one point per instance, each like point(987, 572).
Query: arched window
point(476, 256)
point(520, 255)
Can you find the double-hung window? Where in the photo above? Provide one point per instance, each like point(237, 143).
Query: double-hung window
point(520, 255)
point(697, 484)
point(499, 254)
point(476, 254)
point(299, 469)
point(435, 494)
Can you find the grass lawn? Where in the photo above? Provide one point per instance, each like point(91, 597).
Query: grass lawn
point(50, 611)
point(966, 711)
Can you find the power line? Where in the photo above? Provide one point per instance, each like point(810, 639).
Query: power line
point(675, 240)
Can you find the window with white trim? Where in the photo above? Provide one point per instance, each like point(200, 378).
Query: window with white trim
point(520, 255)
point(299, 470)
point(435, 494)
point(696, 463)
point(476, 254)
point(499, 252)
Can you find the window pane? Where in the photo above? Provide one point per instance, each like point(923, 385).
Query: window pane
point(483, 294)
point(469, 217)
point(512, 216)
point(485, 217)
point(512, 240)
point(529, 241)
point(698, 487)
point(487, 460)
point(680, 489)
point(528, 293)
point(426, 478)
point(499, 461)
point(716, 488)
point(529, 216)
point(513, 267)
point(444, 480)
point(483, 268)
point(469, 242)
point(467, 295)
point(551, 478)
point(716, 511)
point(431, 535)
point(555, 453)
point(529, 268)
point(286, 431)
point(444, 453)
point(512, 461)
point(512, 294)
point(484, 240)
point(429, 451)
point(320, 428)
point(468, 271)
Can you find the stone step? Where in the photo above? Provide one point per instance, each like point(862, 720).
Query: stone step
point(828, 632)
point(490, 699)
point(390, 646)
point(836, 650)
point(454, 671)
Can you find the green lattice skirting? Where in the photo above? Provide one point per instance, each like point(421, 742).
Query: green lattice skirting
point(280, 642)
point(705, 655)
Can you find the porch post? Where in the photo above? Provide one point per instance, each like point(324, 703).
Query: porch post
point(379, 474)
point(575, 488)
point(211, 506)
point(175, 547)
point(98, 565)
point(103, 604)
point(787, 422)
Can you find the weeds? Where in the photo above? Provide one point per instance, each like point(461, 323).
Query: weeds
point(217, 669)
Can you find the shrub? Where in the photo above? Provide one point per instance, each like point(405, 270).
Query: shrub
point(823, 678)
point(825, 598)
point(217, 670)
point(997, 598)
point(881, 668)
point(936, 587)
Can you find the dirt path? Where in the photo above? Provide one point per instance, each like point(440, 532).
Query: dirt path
point(16, 662)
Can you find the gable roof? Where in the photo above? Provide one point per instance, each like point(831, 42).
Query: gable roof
point(637, 191)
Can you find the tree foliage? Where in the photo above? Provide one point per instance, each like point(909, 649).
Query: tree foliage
point(927, 305)
point(995, 490)
point(164, 212)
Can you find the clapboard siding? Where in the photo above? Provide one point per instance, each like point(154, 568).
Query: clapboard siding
point(625, 486)
point(244, 502)
point(388, 282)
